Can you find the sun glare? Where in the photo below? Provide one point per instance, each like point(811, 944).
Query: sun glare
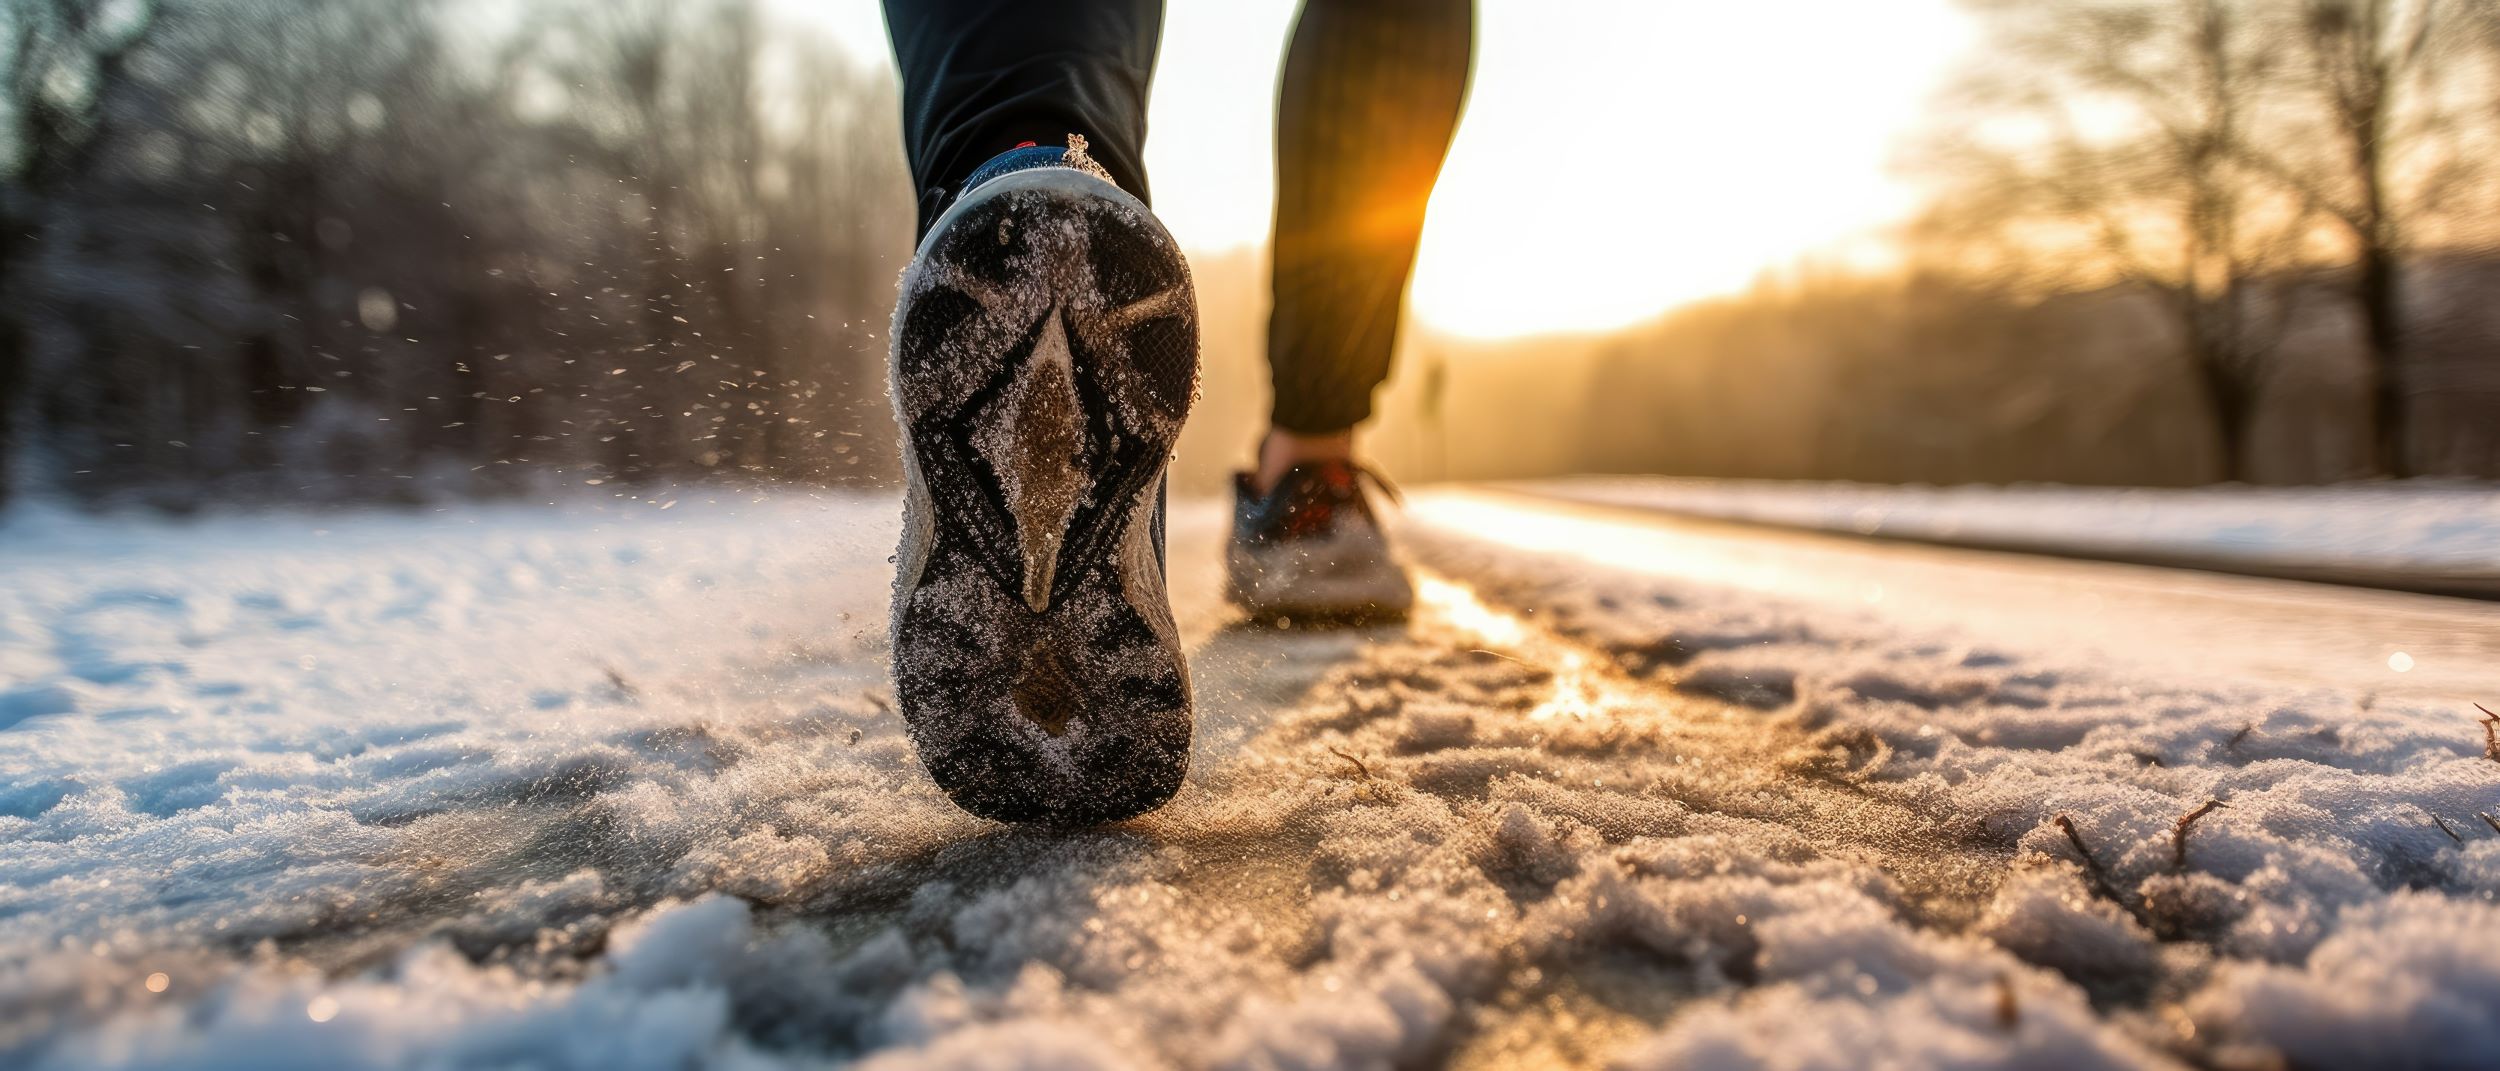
point(1618, 159)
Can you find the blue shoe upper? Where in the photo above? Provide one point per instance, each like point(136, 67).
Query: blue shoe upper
point(1024, 158)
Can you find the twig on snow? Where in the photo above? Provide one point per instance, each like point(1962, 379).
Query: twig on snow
point(2234, 744)
point(1359, 767)
point(2488, 820)
point(2179, 836)
point(2101, 885)
point(2491, 733)
point(2443, 827)
point(2091, 866)
point(617, 681)
point(2009, 1010)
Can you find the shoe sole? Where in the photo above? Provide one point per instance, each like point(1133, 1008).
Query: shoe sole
point(1044, 357)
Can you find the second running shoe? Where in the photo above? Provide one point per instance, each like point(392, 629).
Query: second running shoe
point(1310, 549)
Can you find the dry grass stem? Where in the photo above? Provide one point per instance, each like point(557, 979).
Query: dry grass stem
point(2091, 866)
point(1359, 767)
point(2179, 835)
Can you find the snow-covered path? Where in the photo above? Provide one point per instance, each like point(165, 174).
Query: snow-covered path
point(2419, 535)
point(2170, 623)
point(616, 786)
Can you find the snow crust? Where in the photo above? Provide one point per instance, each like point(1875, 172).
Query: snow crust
point(617, 787)
point(2325, 914)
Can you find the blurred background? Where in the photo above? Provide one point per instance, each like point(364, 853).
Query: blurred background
point(274, 251)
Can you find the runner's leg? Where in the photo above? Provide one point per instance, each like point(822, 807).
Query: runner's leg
point(1370, 97)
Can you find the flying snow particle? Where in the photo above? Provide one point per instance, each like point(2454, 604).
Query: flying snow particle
point(375, 308)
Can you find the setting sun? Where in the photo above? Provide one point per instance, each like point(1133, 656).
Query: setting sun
point(1618, 159)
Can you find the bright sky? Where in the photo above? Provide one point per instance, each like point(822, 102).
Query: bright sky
point(1618, 157)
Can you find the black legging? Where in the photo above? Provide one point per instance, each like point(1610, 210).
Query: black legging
point(1371, 94)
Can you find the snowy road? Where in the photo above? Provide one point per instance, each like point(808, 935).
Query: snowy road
point(617, 786)
point(2178, 623)
point(2440, 536)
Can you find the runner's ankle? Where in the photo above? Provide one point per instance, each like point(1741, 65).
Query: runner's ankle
point(1280, 450)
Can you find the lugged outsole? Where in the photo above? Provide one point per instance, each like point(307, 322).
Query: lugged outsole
point(1044, 359)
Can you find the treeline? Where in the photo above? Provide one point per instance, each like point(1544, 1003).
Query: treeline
point(1928, 379)
point(398, 249)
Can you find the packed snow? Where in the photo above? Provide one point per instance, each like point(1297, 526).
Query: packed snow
point(2424, 529)
point(617, 785)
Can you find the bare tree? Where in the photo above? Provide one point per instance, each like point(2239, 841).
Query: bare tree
point(2362, 67)
point(2097, 145)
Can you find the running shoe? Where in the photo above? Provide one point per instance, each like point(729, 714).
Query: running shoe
point(1311, 549)
point(1045, 354)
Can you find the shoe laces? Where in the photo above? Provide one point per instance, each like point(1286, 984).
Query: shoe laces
point(1344, 479)
point(1308, 500)
point(1379, 483)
